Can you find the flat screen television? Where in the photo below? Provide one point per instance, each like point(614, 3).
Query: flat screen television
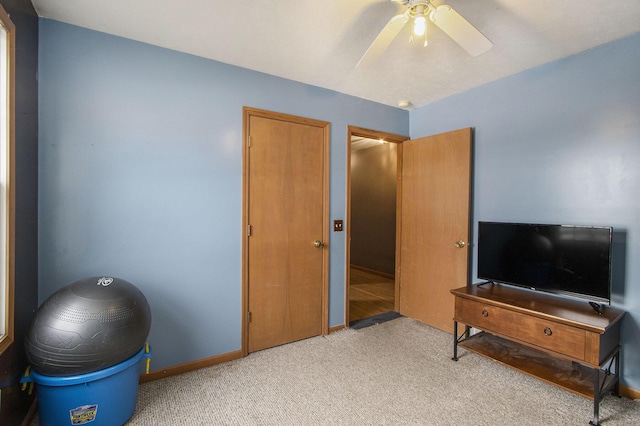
point(562, 259)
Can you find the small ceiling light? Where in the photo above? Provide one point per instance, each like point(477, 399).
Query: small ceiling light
point(404, 104)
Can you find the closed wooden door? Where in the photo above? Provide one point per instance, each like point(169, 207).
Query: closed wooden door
point(435, 208)
point(286, 210)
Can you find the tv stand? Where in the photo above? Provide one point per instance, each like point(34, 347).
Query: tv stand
point(561, 341)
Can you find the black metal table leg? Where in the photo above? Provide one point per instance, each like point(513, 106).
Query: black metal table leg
point(596, 398)
point(455, 341)
point(616, 388)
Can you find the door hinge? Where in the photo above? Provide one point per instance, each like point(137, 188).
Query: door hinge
point(249, 317)
point(249, 142)
point(248, 230)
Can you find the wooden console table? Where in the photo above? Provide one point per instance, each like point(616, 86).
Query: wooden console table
point(562, 341)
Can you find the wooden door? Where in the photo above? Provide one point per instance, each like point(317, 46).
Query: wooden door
point(435, 208)
point(286, 210)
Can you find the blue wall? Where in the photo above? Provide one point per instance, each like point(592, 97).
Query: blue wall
point(561, 144)
point(141, 160)
point(141, 178)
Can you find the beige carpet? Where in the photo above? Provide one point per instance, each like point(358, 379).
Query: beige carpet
point(396, 373)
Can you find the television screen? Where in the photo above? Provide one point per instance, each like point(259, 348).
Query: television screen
point(562, 259)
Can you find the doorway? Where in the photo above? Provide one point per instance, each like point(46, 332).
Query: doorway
point(371, 223)
point(433, 207)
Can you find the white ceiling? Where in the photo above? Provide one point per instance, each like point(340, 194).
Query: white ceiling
point(319, 42)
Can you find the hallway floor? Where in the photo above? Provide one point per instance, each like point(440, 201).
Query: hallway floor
point(369, 294)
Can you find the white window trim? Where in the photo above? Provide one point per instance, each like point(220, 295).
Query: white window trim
point(7, 179)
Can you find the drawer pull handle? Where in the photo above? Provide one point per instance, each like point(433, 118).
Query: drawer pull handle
point(548, 331)
point(485, 313)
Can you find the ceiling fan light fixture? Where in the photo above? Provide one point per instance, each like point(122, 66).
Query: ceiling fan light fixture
point(420, 25)
point(418, 12)
point(443, 16)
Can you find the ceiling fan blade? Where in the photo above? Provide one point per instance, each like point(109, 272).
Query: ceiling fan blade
point(384, 39)
point(460, 30)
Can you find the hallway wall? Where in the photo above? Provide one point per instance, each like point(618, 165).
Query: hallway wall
point(373, 207)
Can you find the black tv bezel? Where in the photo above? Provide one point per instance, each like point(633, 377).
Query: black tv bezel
point(559, 292)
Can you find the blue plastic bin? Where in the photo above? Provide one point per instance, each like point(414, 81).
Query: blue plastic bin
point(105, 397)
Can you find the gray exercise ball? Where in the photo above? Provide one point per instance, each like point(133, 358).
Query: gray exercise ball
point(91, 324)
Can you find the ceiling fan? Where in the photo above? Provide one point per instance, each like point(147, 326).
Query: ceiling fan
point(447, 19)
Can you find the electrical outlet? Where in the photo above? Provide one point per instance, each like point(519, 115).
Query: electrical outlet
point(337, 226)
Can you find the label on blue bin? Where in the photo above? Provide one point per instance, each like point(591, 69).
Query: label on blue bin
point(84, 414)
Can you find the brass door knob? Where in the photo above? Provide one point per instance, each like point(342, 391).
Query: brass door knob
point(460, 244)
point(318, 243)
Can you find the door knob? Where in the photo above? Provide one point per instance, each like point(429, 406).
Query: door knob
point(318, 243)
point(460, 244)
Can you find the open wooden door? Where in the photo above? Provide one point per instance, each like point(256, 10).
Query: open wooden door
point(285, 279)
point(434, 221)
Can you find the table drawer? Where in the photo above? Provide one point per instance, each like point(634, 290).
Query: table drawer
point(559, 338)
